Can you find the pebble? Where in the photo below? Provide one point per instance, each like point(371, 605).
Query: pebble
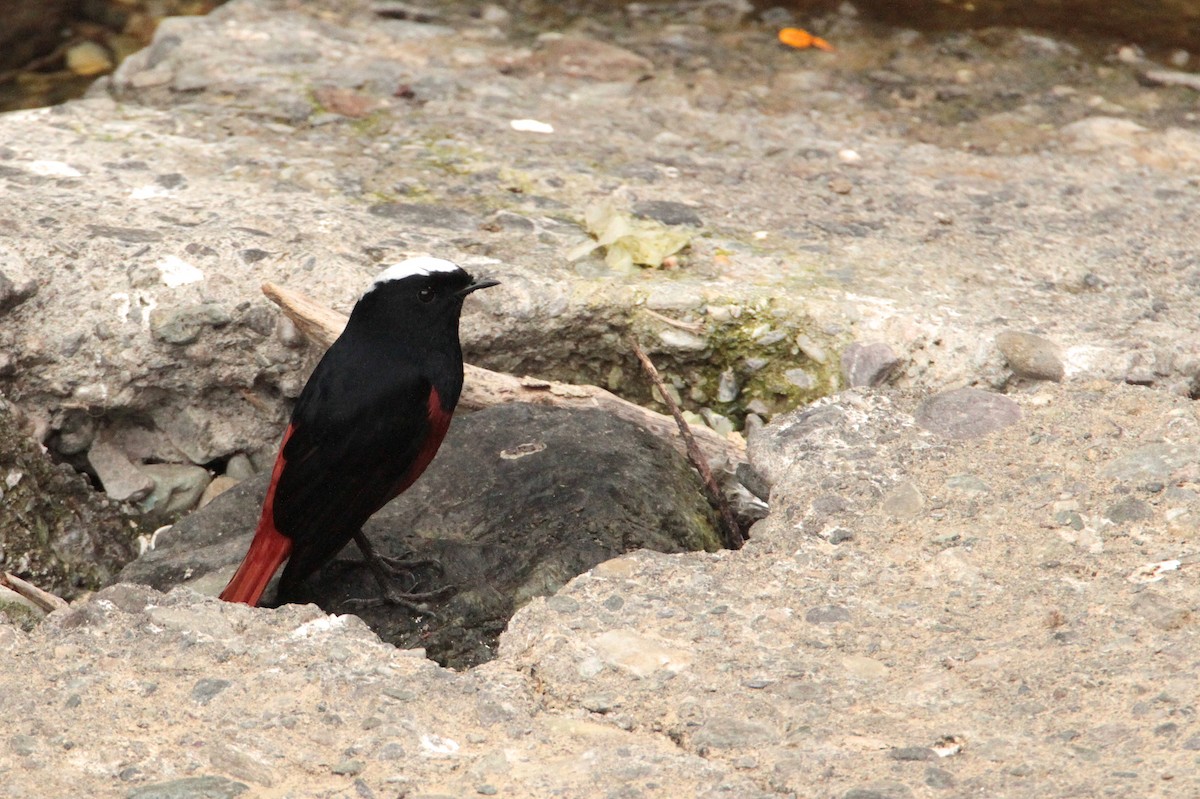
point(177, 487)
point(880, 790)
point(912, 753)
point(869, 365)
point(88, 58)
point(827, 614)
point(239, 466)
point(668, 212)
point(121, 479)
point(1149, 462)
point(1160, 612)
point(209, 787)
point(800, 378)
point(904, 501)
point(967, 413)
point(184, 324)
point(727, 386)
point(1129, 509)
point(206, 689)
point(348, 768)
point(1031, 356)
point(219, 485)
point(728, 732)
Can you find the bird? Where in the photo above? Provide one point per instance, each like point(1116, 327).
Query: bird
point(366, 424)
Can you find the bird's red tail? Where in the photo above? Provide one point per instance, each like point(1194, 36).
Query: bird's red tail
point(268, 549)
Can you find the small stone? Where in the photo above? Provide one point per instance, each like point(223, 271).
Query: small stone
point(177, 487)
point(219, 485)
point(727, 387)
point(682, 340)
point(909, 753)
point(800, 379)
point(1160, 612)
point(191, 788)
point(904, 501)
point(880, 790)
point(1031, 356)
point(668, 212)
point(600, 703)
point(88, 58)
point(827, 614)
point(184, 324)
point(1129, 509)
point(869, 365)
point(487, 790)
point(967, 413)
point(120, 478)
point(205, 690)
point(239, 466)
point(1149, 462)
point(968, 485)
point(938, 778)
point(348, 768)
point(811, 349)
point(727, 732)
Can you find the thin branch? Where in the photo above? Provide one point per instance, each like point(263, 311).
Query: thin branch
point(43, 599)
point(734, 539)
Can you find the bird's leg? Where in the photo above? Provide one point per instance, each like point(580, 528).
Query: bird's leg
point(386, 570)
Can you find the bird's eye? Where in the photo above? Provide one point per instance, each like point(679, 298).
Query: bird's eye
point(425, 295)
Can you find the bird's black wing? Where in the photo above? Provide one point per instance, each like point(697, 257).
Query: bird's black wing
point(354, 437)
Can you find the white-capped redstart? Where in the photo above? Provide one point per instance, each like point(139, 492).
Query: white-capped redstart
point(368, 422)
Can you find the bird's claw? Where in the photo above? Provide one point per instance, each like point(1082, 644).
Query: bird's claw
point(414, 601)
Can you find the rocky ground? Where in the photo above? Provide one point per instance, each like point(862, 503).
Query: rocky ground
point(975, 579)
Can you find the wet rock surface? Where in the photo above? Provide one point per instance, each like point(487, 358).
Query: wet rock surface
point(520, 499)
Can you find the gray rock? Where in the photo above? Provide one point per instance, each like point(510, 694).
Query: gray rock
point(120, 478)
point(210, 787)
point(177, 487)
point(869, 365)
point(184, 324)
point(59, 534)
point(967, 413)
point(1150, 462)
point(1031, 356)
point(524, 527)
point(668, 212)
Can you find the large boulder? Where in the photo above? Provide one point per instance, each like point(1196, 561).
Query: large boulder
point(521, 499)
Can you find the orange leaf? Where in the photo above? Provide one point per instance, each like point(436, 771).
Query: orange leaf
point(801, 39)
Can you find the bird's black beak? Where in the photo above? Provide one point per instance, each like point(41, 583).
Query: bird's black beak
point(476, 286)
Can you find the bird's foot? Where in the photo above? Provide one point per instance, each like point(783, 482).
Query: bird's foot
point(413, 600)
point(388, 569)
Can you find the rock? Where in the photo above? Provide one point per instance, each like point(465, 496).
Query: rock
point(505, 529)
point(177, 488)
point(239, 467)
point(585, 59)
point(1031, 356)
point(88, 58)
point(60, 535)
point(183, 325)
point(967, 413)
point(119, 477)
point(219, 485)
point(668, 212)
point(869, 364)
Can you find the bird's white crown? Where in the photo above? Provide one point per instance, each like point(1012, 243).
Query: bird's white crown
point(421, 265)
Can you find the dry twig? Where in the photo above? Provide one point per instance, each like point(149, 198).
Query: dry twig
point(43, 599)
point(734, 538)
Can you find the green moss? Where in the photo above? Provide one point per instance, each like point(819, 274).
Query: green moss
point(756, 335)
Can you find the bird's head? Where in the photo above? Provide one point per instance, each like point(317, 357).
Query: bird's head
point(421, 291)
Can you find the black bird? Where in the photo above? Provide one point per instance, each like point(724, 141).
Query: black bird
point(368, 422)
